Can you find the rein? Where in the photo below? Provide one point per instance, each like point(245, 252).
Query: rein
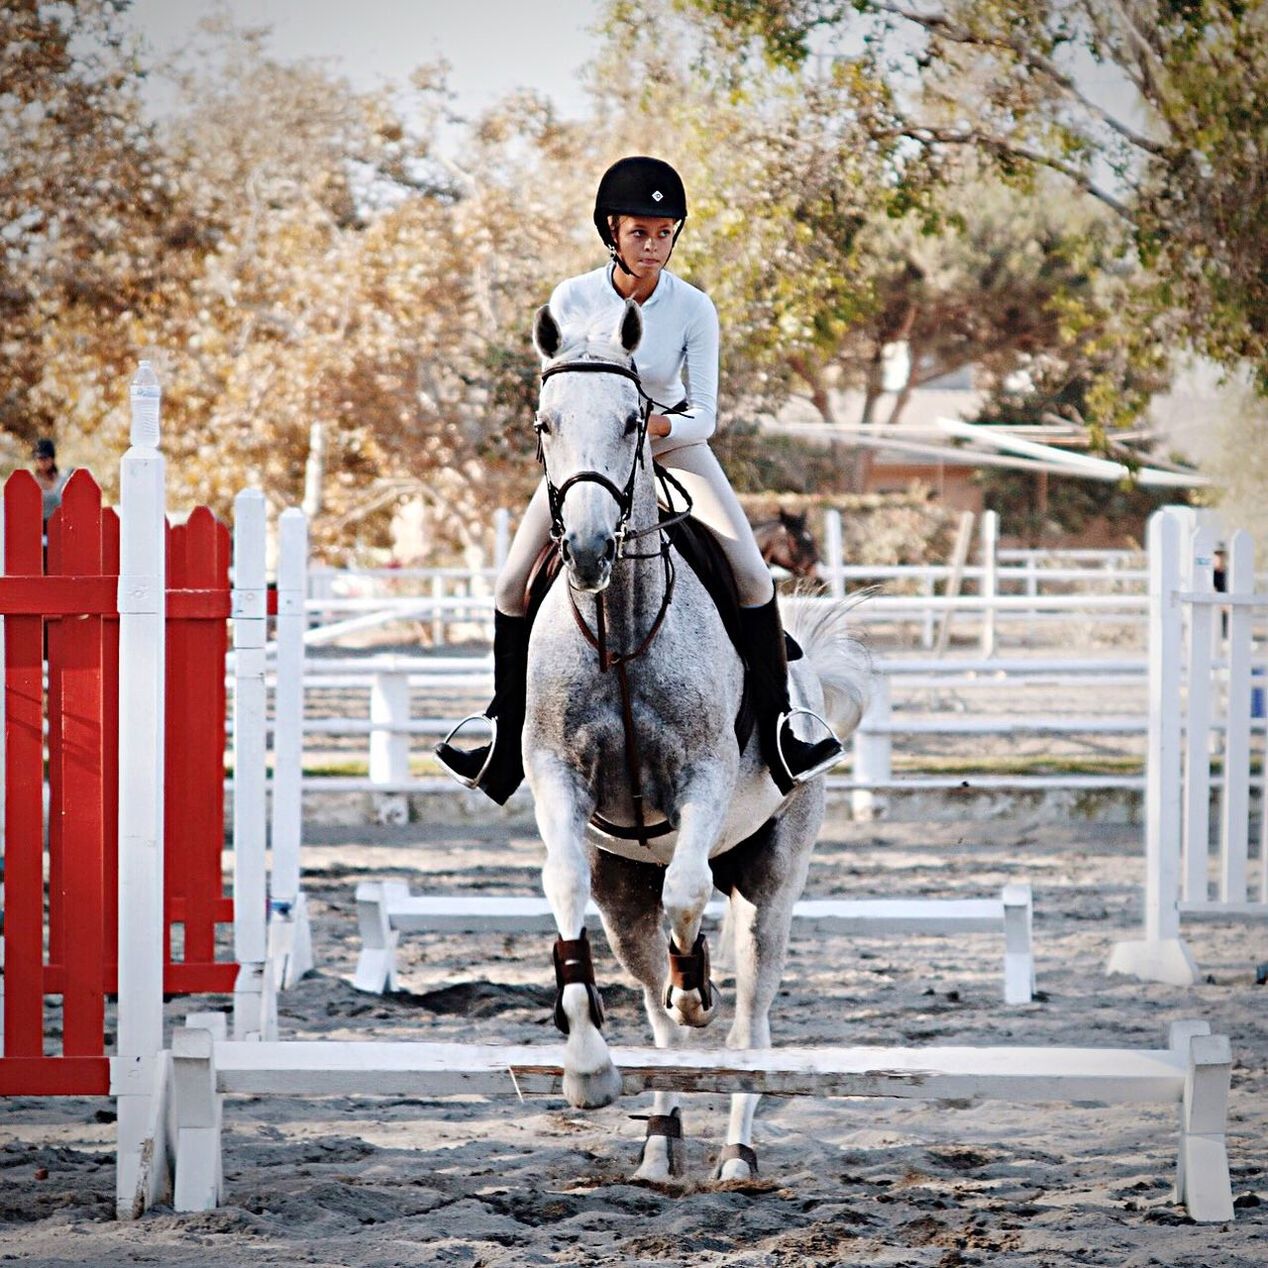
point(598, 639)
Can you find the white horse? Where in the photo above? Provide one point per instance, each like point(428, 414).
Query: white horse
point(634, 688)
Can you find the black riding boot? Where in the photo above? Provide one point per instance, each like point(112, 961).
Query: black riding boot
point(505, 768)
point(791, 761)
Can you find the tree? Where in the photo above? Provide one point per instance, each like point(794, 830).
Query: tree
point(90, 240)
point(1008, 79)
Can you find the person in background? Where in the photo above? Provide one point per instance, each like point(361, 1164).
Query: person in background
point(47, 475)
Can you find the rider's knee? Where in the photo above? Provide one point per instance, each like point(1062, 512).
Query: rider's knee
point(755, 585)
point(508, 593)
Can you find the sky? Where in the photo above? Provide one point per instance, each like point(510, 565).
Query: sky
point(492, 45)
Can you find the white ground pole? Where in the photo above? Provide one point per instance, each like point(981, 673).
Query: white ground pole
point(1191, 1072)
point(290, 948)
point(386, 909)
point(139, 1073)
point(1162, 955)
point(253, 993)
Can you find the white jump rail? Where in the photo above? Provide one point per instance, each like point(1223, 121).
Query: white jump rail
point(1194, 700)
point(386, 910)
point(1193, 1072)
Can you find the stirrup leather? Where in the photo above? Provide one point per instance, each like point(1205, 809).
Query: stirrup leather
point(801, 777)
point(472, 781)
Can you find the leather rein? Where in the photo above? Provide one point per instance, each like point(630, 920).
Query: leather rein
point(598, 638)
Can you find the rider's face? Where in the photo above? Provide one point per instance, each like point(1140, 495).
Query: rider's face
point(644, 243)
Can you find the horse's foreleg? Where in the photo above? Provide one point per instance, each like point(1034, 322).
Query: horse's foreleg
point(691, 997)
point(629, 896)
point(590, 1078)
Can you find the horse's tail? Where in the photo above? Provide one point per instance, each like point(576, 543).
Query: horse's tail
point(843, 663)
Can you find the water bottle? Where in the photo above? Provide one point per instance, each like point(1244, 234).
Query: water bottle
point(146, 396)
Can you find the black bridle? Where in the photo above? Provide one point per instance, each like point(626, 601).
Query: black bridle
point(624, 497)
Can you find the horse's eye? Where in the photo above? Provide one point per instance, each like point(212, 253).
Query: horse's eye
point(542, 426)
point(631, 423)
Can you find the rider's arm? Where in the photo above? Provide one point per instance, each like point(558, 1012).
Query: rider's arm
point(701, 363)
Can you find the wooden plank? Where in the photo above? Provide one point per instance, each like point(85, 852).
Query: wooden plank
point(80, 877)
point(506, 914)
point(24, 780)
point(320, 1067)
point(198, 557)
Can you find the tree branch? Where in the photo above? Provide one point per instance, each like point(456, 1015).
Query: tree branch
point(929, 136)
point(941, 27)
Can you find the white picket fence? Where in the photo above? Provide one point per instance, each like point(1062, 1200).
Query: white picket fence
point(1202, 689)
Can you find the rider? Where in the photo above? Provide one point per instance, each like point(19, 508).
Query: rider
point(639, 211)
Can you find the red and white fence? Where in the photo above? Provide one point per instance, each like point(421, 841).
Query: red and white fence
point(1202, 690)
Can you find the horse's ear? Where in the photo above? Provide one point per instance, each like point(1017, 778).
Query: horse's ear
point(546, 334)
point(631, 331)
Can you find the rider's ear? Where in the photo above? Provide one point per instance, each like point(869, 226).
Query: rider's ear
point(546, 332)
point(631, 326)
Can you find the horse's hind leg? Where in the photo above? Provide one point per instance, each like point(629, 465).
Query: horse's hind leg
point(628, 894)
point(760, 918)
point(590, 1078)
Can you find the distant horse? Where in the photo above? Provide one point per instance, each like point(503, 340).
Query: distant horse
point(644, 796)
point(787, 543)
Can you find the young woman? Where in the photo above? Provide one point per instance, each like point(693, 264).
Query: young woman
point(639, 212)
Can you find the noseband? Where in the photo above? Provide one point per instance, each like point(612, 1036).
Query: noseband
point(624, 497)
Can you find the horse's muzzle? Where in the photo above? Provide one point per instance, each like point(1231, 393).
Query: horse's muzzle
point(589, 561)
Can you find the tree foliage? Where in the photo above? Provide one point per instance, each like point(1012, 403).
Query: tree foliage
point(1009, 79)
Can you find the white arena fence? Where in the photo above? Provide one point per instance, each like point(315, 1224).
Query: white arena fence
point(1022, 589)
point(1201, 722)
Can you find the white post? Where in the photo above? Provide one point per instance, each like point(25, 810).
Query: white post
point(1235, 803)
point(250, 790)
point(834, 552)
point(987, 586)
point(959, 553)
point(136, 1073)
point(389, 744)
point(314, 470)
point(1162, 956)
point(290, 941)
point(1196, 843)
point(438, 612)
point(501, 536)
point(926, 627)
point(873, 754)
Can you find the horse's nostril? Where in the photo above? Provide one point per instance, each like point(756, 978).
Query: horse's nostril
point(609, 551)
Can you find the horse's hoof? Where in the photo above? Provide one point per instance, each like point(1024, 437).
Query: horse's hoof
point(593, 1090)
point(687, 1010)
point(664, 1151)
point(737, 1162)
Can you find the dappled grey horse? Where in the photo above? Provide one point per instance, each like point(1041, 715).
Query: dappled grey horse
point(634, 688)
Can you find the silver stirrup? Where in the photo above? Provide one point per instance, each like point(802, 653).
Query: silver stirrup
point(453, 774)
point(828, 762)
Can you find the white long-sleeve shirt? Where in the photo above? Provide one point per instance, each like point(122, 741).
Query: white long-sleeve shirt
point(680, 334)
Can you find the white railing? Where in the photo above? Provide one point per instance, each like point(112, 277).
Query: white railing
point(1198, 699)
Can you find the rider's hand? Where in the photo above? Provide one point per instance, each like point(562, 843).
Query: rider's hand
point(658, 425)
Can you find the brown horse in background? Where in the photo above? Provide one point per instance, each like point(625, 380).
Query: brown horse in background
point(787, 543)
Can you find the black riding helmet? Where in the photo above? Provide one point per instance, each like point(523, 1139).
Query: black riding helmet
point(638, 186)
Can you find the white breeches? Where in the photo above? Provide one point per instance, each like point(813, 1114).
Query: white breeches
point(714, 504)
